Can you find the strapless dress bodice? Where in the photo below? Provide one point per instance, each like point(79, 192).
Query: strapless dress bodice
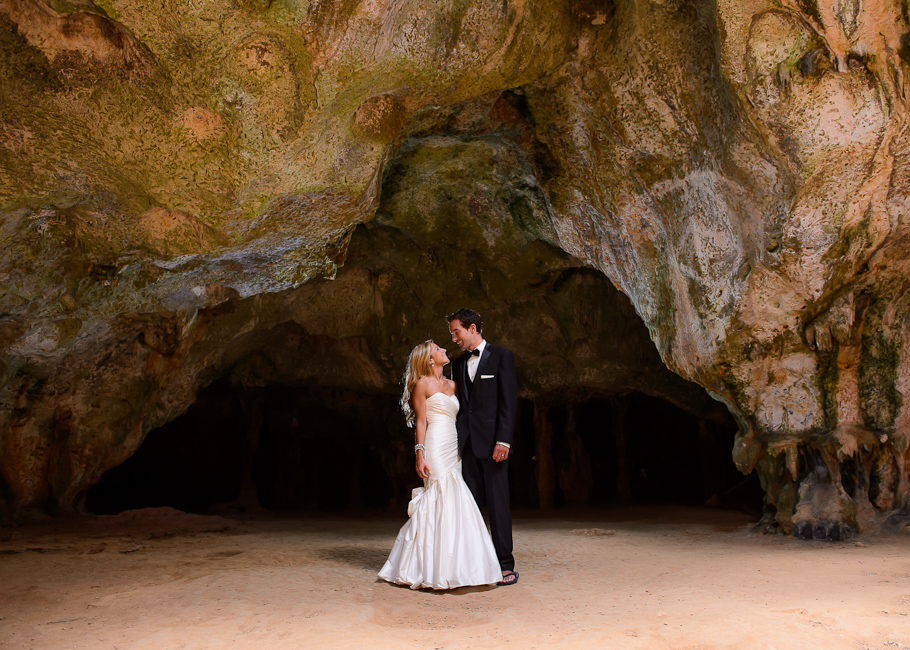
point(441, 407)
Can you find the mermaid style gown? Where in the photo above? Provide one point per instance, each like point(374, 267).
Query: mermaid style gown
point(445, 543)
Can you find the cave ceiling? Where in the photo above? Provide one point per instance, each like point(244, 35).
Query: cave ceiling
point(632, 188)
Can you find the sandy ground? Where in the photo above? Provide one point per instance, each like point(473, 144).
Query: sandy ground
point(637, 578)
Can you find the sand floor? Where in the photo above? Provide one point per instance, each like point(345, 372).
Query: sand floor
point(635, 578)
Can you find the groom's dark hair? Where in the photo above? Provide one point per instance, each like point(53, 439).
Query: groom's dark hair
point(467, 317)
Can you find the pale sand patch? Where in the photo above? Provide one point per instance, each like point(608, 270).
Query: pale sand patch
point(633, 578)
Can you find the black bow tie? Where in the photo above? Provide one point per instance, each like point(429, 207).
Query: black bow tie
point(473, 353)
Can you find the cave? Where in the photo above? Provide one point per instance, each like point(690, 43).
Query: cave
point(644, 199)
point(224, 225)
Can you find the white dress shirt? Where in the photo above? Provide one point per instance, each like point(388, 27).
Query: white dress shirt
point(474, 360)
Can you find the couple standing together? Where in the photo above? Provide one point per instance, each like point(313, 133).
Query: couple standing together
point(464, 429)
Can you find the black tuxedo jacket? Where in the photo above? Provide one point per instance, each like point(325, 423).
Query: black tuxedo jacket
point(488, 407)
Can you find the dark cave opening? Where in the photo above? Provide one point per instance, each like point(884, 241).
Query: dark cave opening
point(284, 449)
point(298, 449)
point(189, 464)
point(631, 449)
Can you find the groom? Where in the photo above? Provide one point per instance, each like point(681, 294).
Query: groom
point(488, 401)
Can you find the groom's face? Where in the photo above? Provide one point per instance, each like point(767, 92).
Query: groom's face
point(463, 338)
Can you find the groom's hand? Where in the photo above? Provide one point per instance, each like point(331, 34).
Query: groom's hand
point(500, 453)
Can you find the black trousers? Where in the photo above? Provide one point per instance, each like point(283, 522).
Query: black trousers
point(489, 483)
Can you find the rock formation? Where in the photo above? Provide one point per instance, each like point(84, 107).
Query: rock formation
point(186, 185)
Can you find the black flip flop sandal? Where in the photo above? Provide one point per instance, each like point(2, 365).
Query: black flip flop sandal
point(512, 582)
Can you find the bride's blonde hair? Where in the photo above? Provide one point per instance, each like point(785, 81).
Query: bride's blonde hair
point(418, 366)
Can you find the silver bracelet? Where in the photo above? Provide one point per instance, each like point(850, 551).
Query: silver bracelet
point(419, 448)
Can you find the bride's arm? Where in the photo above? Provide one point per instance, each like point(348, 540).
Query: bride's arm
point(419, 404)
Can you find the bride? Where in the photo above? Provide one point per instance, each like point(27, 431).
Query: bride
point(445, 543)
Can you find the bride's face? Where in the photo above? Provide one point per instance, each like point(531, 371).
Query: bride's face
point(439, 356)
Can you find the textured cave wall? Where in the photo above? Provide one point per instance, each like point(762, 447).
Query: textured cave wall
point(169, 173)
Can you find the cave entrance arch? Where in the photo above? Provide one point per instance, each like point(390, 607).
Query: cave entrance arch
point(463, 220)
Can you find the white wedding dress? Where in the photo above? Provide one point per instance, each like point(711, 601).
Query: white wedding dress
point(445, 543)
